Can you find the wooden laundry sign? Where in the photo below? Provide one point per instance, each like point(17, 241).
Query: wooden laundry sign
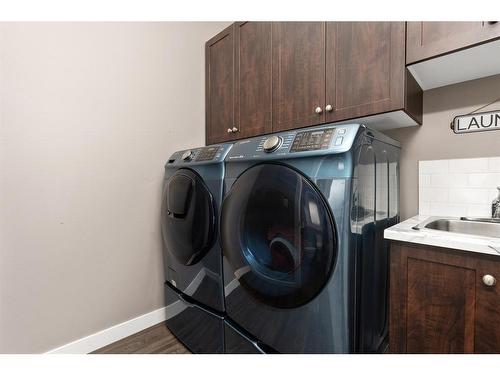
point(476, 122)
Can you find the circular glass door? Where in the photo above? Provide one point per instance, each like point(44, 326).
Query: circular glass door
point(278, 235)
point(188, 217)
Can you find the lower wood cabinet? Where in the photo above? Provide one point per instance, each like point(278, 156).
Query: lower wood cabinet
point(440, 301)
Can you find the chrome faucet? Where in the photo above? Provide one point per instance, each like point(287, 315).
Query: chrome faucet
point(495, 206)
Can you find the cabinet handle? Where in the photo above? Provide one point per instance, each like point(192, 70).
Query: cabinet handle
point(318, 110)
point(492, 22)
point(229, 130)
point(235, 129)
point(329, 108)
point(489, 280)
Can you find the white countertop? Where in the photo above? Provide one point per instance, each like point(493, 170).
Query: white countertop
point(478, 244)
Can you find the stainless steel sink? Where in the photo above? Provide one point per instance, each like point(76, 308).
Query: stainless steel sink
point(476, 227)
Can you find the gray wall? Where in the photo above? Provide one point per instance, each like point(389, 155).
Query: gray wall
point(435, 140)
point(89, 114)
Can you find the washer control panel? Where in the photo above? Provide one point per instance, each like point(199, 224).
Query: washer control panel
point(313, 140)
point(320, 140)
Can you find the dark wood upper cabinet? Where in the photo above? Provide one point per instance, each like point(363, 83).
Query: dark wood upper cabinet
point(219, 86)
point(253, 79)
point(430, 39)
point(439, 303)
point(365, 68)
point(264, 77)
point(298, 74)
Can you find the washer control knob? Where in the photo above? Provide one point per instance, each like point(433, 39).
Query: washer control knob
point(187, 155)
point(272, 143)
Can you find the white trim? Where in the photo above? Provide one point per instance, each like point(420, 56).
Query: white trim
point(383, 121)
point(471, 63)
point(109, 335)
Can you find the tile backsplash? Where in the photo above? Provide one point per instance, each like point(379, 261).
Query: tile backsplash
point(458, 187)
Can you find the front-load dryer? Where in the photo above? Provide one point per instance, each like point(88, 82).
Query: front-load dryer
point(305, 262)
point(192, 194)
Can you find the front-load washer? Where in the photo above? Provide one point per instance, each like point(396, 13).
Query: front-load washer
point(302, 221)
point(192, 194)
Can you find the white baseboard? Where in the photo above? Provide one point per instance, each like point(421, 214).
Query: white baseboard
point(107, 336)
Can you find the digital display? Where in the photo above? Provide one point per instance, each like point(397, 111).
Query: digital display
point(312, 140)
point(207, 153)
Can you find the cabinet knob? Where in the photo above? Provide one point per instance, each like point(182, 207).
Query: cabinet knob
point(235, 129)
point(489, 280)
point(318, 110)
point(329, 108)
point(229, 130)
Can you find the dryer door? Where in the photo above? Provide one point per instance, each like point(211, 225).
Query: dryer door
point(278, 235)
point(188, 217)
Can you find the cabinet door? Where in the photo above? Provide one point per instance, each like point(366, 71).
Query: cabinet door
point(441, 308)
point(439, 302)
point(432, 301)
point(365, 68)
point(253, 82)
point(298, 74)
point(430, 39)
point(219, 87)
point(487, 335)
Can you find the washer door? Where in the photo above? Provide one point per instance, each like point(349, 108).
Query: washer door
point(188, 217)
point(278, 235)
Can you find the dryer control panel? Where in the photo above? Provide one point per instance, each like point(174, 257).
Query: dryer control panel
point(207, 153)
point(320, 140)
point(201, 155)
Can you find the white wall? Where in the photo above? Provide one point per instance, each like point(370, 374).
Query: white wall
point(89, 113)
